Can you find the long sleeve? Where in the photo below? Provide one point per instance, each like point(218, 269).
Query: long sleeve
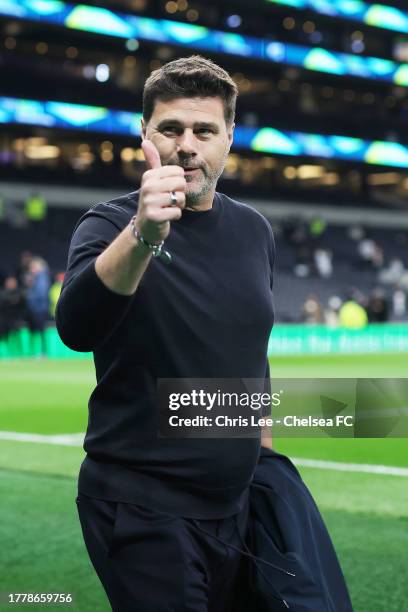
point(271, 251)
point(87, 311)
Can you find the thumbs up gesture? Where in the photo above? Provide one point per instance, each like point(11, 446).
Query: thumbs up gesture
point(161, 198)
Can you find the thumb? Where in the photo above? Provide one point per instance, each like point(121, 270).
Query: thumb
point(151, 154)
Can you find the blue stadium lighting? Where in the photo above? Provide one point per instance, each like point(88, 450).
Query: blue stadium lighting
point(234, 21)
point(69, 116)
point(102, 21)
point(263, 140)
point(102, 73)
point(373, 14)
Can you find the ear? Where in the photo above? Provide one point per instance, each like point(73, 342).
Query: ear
point(230, 133)
point(143, 126)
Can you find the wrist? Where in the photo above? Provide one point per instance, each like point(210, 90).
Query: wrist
point(155, 248)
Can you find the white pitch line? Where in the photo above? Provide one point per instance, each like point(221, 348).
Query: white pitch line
point(350, 467)
point(62, 439)
point(78, 438)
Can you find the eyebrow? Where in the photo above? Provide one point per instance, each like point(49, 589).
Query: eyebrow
point(197, 124)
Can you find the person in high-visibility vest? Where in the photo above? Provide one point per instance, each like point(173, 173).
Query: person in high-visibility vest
point(352, 315)
point(54, 292)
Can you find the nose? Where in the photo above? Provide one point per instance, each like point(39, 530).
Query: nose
point(187, 143)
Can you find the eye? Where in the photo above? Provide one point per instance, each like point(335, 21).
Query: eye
point(170, 129)
point(205, 131)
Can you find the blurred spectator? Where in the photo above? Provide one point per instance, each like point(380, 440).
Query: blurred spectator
point(297, 235)
point(323, 262)
point(54, 292)
point(312, 311)
point(331, 314)
point(317, 227)
point(294, 232)
point(36, 207)
point(352, 315)
point(355, 232)
point(399, 303)
point(377, 310)
point(392, 274)
point(371, 253)
point(23, 268)
point(37, 297)
point(365, 249)
point(378, 256)
point(12, 307)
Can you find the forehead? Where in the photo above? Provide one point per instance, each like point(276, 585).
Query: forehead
point(197, 109)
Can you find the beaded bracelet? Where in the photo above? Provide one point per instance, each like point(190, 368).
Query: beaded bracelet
point(156, 249)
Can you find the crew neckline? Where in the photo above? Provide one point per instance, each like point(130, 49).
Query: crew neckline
point(189, 215)
point(199, 214)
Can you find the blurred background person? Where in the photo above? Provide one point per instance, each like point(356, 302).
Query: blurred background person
point(12, 311)
point(37, 300)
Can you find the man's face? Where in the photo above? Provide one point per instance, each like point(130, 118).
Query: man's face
point(10, 283)
point(192, 133)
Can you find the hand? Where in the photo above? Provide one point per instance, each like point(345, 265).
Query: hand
point(155, 210)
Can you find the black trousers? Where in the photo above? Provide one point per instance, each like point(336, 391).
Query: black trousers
point(148, 561)
point(275, 554)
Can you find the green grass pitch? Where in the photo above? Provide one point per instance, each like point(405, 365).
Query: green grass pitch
point(41, 543)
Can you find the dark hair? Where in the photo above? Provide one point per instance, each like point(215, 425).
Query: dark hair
point(190, 77)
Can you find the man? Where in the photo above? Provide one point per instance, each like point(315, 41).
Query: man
point(12, 309)
point(37, 300)
point(174, 281)
point(164, 519)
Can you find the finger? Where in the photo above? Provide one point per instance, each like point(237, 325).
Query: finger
point(163, 200)
point(174, 183)
point(171, 170)
point(164, 172)
point(166, 201)
point(181, 200)
point(151, 154)
point(153, 184)
point(159, 191)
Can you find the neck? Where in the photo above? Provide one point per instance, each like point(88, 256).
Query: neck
point(205, 203)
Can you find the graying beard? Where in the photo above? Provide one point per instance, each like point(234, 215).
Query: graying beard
point(194, 198)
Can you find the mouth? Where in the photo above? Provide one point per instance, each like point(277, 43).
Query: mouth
point(189, 170)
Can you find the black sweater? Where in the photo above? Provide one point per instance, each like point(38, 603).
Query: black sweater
point(206, 315)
